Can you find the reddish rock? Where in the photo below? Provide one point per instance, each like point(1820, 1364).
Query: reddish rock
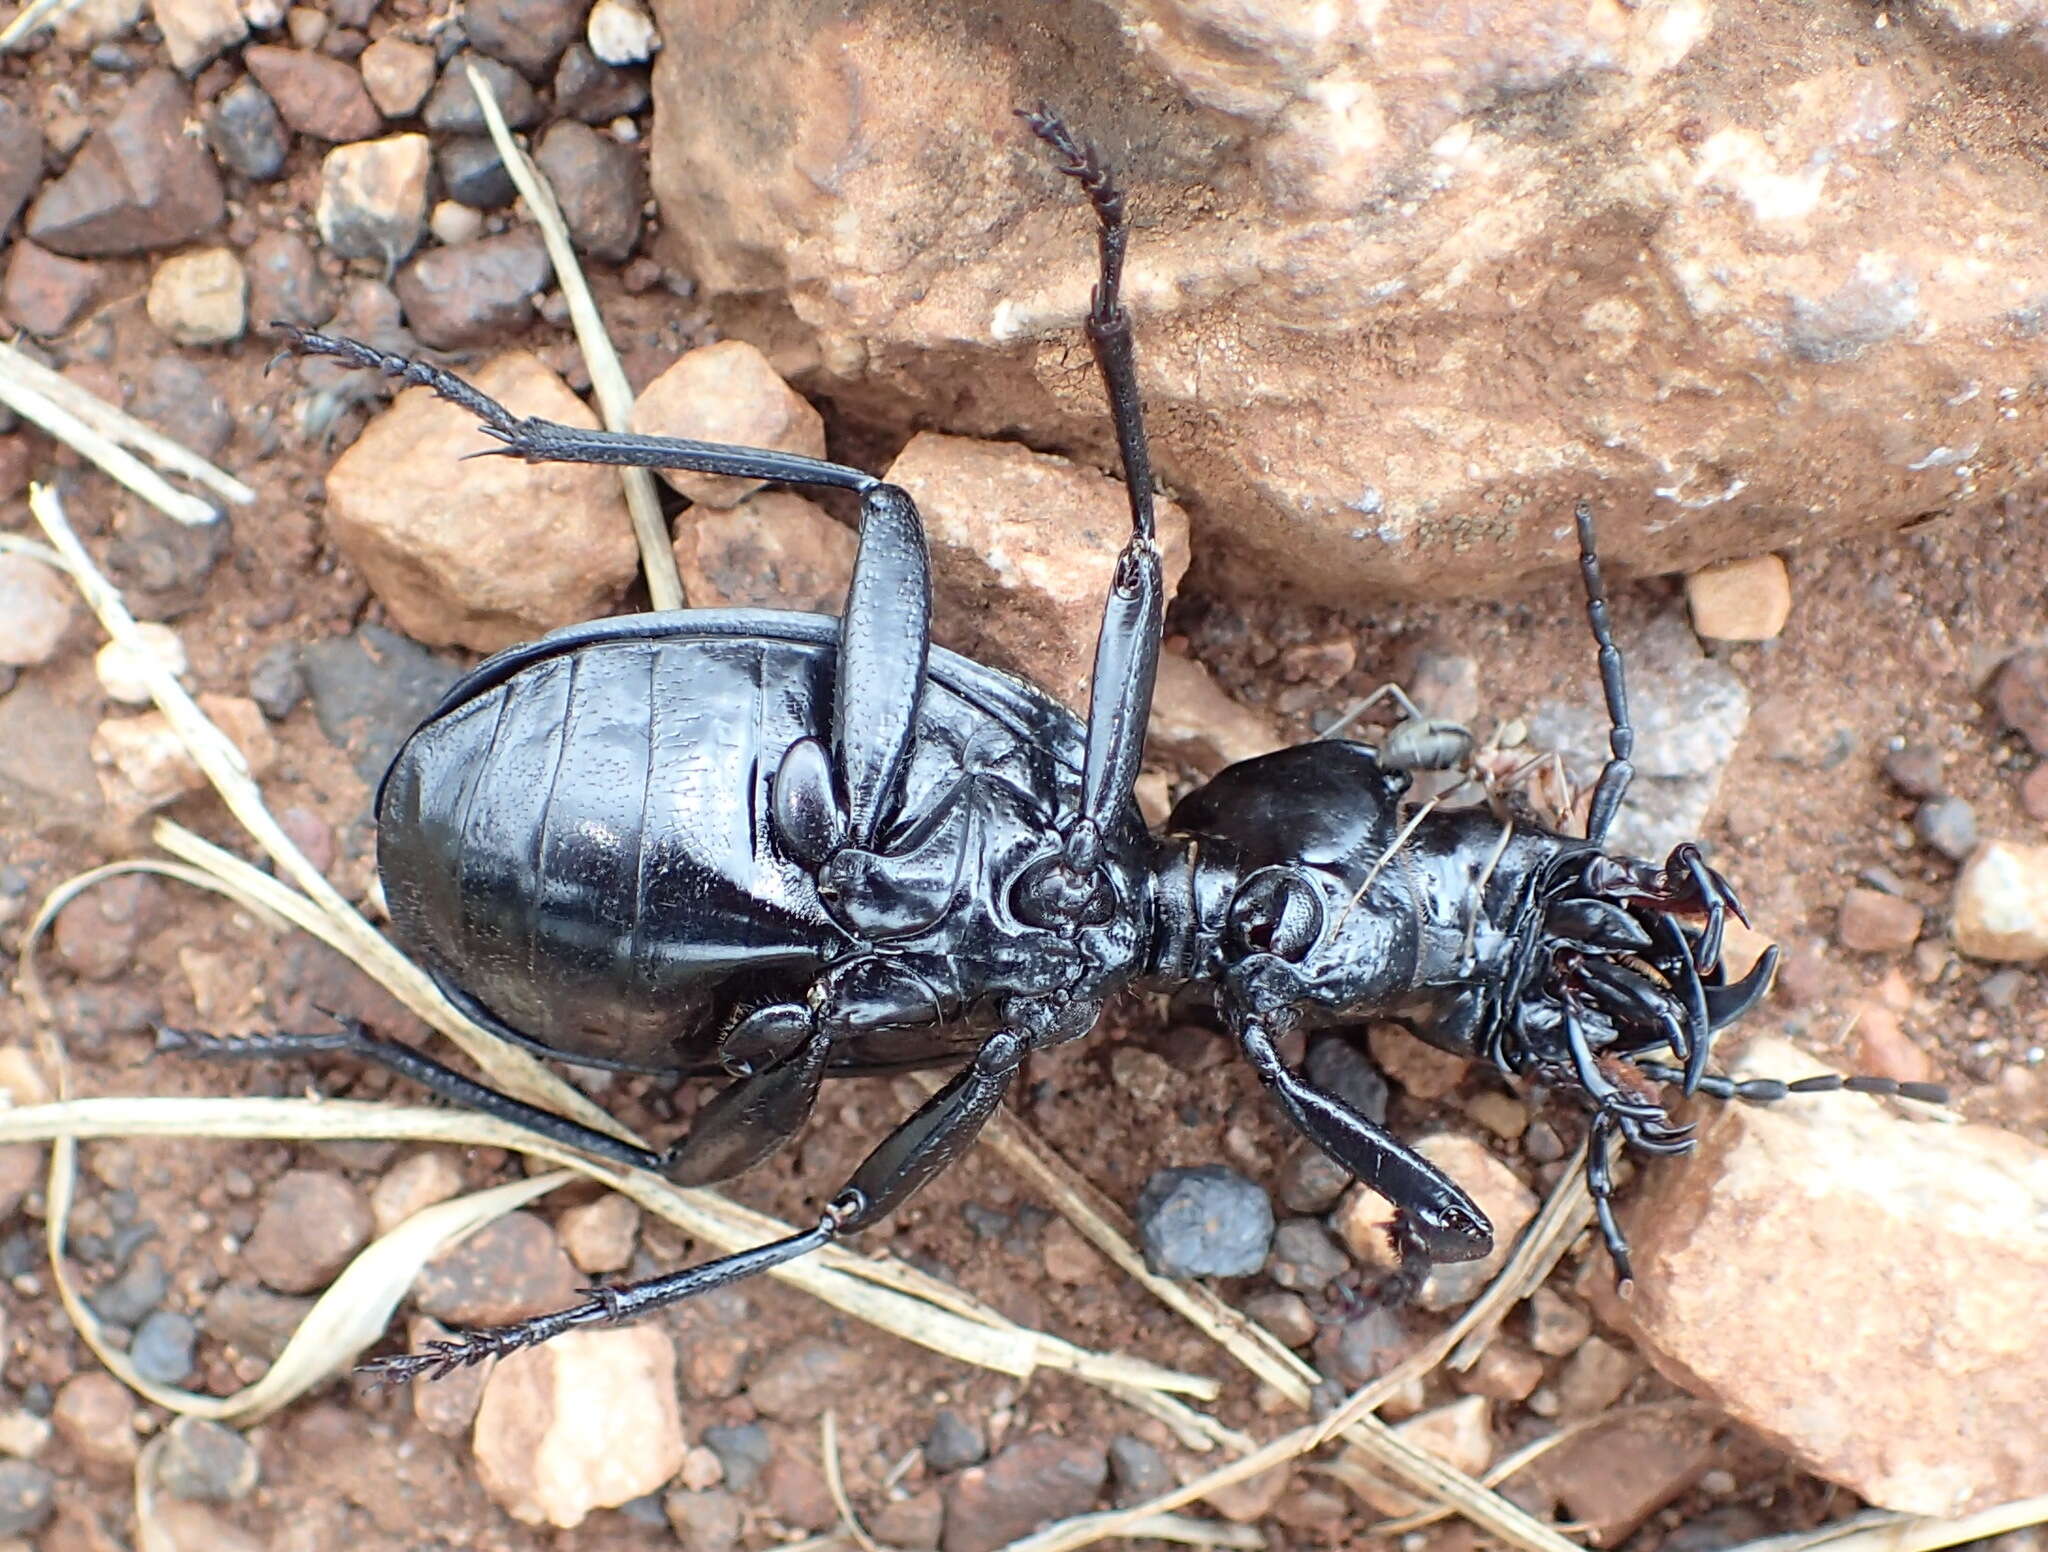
point(397, 74)
point(2034, 793)
point(315, 94)
point(600, 184)
point(313, 1222)
point(1873, 922)
point(1038, 1478)
point(1329, 216)
point(1197, 724)
point(21, 159)
point(44, 292)
point(475, 292)
point(507, 1271)
point(1422, 1071)
point(2020, 696)
point(775, 550)
point(1740, 600)
point(480, 552)
point(525, 33)
point(138, 183)
point(1023, 549)
point(1613, 1479)
point(1863, 1291)
point(726, 392)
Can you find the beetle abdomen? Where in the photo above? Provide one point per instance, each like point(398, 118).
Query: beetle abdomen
point(580, 848)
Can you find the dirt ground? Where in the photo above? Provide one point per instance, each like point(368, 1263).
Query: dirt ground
point(1890, 642)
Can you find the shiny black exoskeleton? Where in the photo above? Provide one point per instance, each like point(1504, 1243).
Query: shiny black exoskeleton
point(784, 847)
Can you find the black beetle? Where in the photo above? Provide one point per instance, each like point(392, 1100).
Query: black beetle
point(786, 847)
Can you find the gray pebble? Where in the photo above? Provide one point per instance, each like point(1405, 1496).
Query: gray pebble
point(206, 1462)
point(1915, 770)
point(954, 1442)
point(126, 1299)
point(473, 173)
point(1304, 1257)
point(162, 1349)
point(1949, 825)
point(744, 1452)
point(2000, 991)
point(1342, 1065)
point(26, 1490)
point(370, 690)
point(1137, 1471)
point(1311, 1181)
point(1207, 1221)
point(277, 683)
point(246, 132)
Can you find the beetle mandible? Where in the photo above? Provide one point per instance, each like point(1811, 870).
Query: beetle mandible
point(786, 847)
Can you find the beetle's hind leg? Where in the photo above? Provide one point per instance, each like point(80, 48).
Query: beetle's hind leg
point(905, 1160)
point(740, 1126)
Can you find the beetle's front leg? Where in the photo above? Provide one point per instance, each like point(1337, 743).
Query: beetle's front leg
point(1434, 1220)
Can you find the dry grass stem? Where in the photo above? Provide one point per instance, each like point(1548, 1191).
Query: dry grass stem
point(835, 1482)
point(607, 377)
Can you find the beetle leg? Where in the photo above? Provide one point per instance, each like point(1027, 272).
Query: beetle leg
point(1434, 1221)
point(749, 1119)
point(546, 441)
point(1621, 733)
point(355, 1039)
point(884, 641)
point(907, 1158)
point(1127, 650)
point(1600, 1184)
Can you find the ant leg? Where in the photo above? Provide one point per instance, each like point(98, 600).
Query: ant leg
point(906, 1159)
point(1621, 734)
point(1127, 650)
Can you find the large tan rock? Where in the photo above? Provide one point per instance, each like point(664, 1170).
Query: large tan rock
point(1408, 279)
point(480, 552)
point(1863, 1291)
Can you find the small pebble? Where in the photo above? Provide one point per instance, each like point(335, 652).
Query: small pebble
point(247, 133)
point(1037, 1478)
point(27, 1498)
point(743, 1451)
point(200, 297)
point(1501, 1114)
point(1872, 922)
point(1556, 1325)
point(702, 1469)
point(1336, 1062)
point(452, 106)
point(95, 1415)
point(507, 1271)
point(1740, 600)
point(1422, 1071)
point(1949, 826)
point(2020, 697)
point(704, 1521)
point(1304, 1257)
point(128, 1299)
point(416, 1181)
point(397, 75)
point(954, 1442)
point(798, 1382)
point(163, 1346)
point(1286, 1315)
point(1137, 1470)
point(472, 173)
point(1594, 1378)
point(1068, 1256)
point(2001, 903)
point(913, 1524)
point(453, 223)
point(599, 1235)
point(621, 34)
point(373, 198)
point(40, 608)
point(446, 1406)
point(2034, 793)
point(206, 1462)
point(1916, 770)
point(120, 674)
point(1310, 1180)
point(1504, 1371)
point(1205, 1221)
point(278, 683)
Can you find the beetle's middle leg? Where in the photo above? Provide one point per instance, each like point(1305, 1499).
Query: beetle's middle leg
point(922, 1146)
